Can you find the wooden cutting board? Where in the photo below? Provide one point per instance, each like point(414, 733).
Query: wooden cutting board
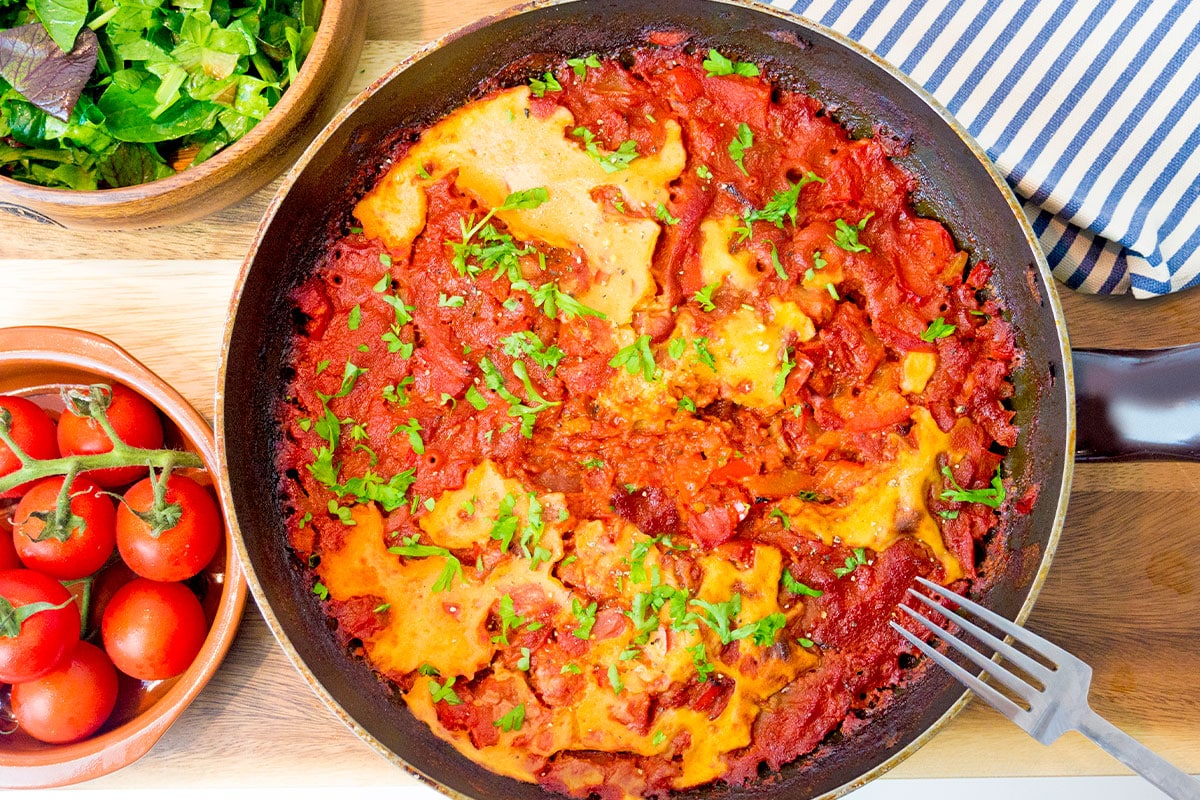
point(1123, 594)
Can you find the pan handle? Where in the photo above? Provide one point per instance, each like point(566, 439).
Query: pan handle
point(1138, 404)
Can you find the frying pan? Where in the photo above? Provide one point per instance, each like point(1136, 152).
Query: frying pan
point(958, 187)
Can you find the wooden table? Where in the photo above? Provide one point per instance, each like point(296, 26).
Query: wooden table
point(1123, 592)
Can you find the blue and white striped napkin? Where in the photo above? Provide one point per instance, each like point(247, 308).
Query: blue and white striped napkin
point(1090, 109)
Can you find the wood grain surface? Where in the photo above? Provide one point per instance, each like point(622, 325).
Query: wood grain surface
point(1123, 594)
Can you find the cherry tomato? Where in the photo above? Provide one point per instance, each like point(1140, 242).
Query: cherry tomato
point(32, 642)
point(178, 552)
point(105, 585)
point(33, 431)
point(8, 551)
point(76, 552)
point(153, 630)
point(136, 422)
point(71, 701)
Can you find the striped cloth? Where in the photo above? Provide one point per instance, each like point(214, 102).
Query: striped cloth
point(1090, 109)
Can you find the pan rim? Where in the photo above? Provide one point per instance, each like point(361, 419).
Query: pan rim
point(1047, 287)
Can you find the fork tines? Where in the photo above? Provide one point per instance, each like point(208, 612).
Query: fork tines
point(1000, 674)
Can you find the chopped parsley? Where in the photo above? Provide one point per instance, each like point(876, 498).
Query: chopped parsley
point(783, 518)
point(704, 172)
point(413, 429)
point(585, 616)
point(992, 497)
point(704, 296)
point(614, 161)
point(546, 83)
point(476, 399)
point(580, 65)
point(784, 370)
point(509, 619)
point(742, 141)
point(659, 738)
point(636, 358)
point(938, 329)
point(676, 348)
point(704, 667)
point(614, 679)
point(523, 661)
point(664, 214)
point(527, 343)
point(717, 64)
point(833, 292)
point(687, 404)
point(320, 590)
point(443, 692)
point(846, 236)
point(550, 299)
point(783, 204)
point(775, 262)
point(455, 301)
point(767, 629)
point(592, 463)
point(796, 587)
point(513, 720)
point(703, 353)
point(856, 559)
point(355, 318)
point(412, 549)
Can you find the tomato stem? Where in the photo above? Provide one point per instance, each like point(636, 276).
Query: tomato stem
point(92, 404)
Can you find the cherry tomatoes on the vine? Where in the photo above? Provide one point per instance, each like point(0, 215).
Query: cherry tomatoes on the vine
point(74, 550)
point(69, 702)
point(153, 630)
point(180, 551)
point(32, 430)
point(136, 422)
point(39, 624)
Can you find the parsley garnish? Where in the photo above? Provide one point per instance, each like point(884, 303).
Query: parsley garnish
point(767, 629)
point(585, 616)
point(527, 343)
point(991, 497)
point(411, 549)
point(614, 161)
point(847, 235)
point(355, 318)
point(513, 720)
point(717, 64)
point(796, 587)
point(721, 617)
point(413, 429)
point(676, 348)
point(550, 299)
point(704, 172)
point(705, 355)
point(829, 287)
point(636, 358)
point(783, 518)
point(509, 619)
point(779, 270)
point(704, 296)
point(569, 669)
point(784, 370)
point(592, 463)
point(784, 204)
point(614, 679)
point(704, 667)
point(938, 329)
point(687, 404)
point(742, 141)
point(455, 301)
point(856, 559)
point(443, 693)
point(476, 400)
point(664, 214)
point(320, 590)
point(546, 83)
point(580, 65)
point(659, 738)
point(523, 661)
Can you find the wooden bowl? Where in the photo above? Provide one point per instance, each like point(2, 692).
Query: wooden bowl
point(234, 173)
point(36, 362)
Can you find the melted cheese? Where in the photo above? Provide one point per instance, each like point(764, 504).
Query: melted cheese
point(916, 370)
point(498, 146)
point(890, 504)
point(717, 262)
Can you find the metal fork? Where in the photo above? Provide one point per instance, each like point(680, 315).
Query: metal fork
point(1058, 706)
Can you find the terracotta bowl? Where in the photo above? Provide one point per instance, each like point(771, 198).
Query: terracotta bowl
point(37, 362)
point(232, 174)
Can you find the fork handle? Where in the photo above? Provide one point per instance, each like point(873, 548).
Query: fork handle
point(1141, 759)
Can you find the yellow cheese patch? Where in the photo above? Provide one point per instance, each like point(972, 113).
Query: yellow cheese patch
point(917, 368)
point(596, 719)
point(889, 505)
point(499, 147)
point(717, 262)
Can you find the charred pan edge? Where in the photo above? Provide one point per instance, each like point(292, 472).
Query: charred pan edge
point(1043, 385)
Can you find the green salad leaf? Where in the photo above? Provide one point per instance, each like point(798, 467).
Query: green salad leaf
point(109, 93)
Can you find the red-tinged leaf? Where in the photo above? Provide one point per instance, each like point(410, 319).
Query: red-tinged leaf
point(39, 69)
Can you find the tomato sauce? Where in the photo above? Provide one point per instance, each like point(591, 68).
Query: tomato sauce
point(407, 365)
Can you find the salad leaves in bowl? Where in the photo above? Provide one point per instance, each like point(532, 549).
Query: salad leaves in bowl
point(131, 113)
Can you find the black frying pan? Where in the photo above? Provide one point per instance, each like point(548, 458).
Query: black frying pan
point(959, 187)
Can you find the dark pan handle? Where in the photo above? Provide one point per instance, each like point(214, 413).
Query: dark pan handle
point(1138, 404)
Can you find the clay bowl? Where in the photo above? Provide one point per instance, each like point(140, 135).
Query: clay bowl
point(236, 172)
point(36, 362)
